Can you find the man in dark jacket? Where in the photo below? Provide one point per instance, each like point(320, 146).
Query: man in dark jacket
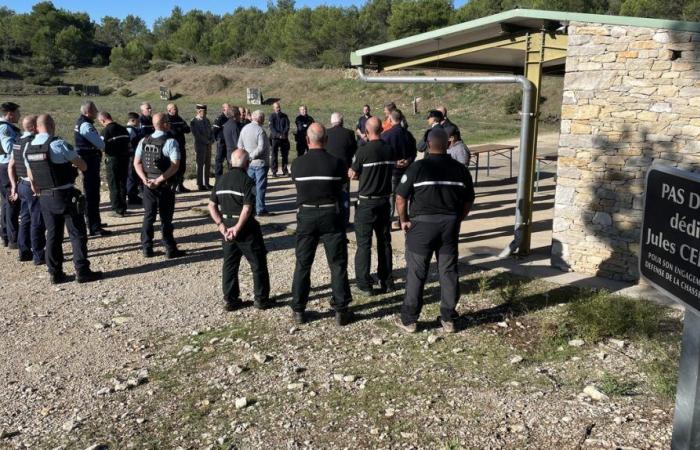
point(117, 149)
point(232, 130)
point(217, 130)
point(146, 120)
point(342, 144)
point(360, 130)
point(279, 138)
point(434, 118)
point(404, 147)
point(302, 122)
point(449, 127)
point(178, 130)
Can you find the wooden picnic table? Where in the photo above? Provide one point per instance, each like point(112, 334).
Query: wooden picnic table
point(505, 151)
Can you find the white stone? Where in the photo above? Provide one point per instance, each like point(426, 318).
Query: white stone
point(661, 107)
point(576, 343)
point(594, 393)
point(241, 402)
point(516, 359)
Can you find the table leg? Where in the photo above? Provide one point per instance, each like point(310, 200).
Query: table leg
point(537, 182)
point(511, 163)
point(488, 164)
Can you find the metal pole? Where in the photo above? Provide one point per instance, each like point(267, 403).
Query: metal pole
point(523, 206)
point(686, 420)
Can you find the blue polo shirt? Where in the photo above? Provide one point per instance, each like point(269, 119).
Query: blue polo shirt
point(8, 136)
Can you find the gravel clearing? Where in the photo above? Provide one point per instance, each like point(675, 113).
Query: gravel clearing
point(147, 358)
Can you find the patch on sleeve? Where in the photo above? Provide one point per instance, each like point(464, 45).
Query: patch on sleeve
point(404, 178)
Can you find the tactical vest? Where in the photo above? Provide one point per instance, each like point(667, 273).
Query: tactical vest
point(46, 174)
point(152, 158)
point(14, 128)
point(81, 142)
point(18, 154)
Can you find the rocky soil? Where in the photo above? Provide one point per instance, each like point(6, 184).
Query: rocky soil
point(147, 358)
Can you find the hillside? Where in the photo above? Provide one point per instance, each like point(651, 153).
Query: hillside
point(478, 110)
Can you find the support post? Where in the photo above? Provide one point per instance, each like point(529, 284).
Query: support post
point(686, 420)
point(534, 57)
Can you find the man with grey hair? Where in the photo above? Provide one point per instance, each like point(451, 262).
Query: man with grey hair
point(342, 145)
point(232, 207)
point(254, 140)
point(319, 178)
point(89, 146)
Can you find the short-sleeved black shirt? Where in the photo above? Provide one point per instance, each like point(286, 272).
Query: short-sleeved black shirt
point(437, 184)
point(232, 191)
point(374, 162)
point(319, 178)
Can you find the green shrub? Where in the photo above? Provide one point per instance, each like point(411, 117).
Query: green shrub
point(125, 92)
point(107, 91)
point(217, 83)
point(159, 65)
point(616, 387)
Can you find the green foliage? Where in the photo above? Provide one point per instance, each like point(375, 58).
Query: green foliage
point(107, 91)
point(662, 368)
point(598, 315)
point(130, 61)
point(125, 92)
point(512, 104)
point(410, 17)
point(615, 386)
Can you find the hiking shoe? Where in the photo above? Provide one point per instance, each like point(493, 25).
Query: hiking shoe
point(58, 278)
point(343, 318)
point(87, 277)
point(148, 252)
point(406, 328)
point(232, 305)
point(175, 253)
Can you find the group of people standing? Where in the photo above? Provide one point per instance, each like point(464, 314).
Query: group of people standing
point(145, 162)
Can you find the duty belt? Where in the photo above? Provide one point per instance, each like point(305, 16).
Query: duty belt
point(372, 197)
point(325, 205)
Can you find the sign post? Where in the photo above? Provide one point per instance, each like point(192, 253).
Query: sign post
point(670, 261)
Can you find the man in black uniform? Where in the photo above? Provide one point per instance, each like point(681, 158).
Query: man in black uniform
point(279, 139)
point(232, 207)
point(401, 140)
point(446, 123)
point(117, 149)
point(146, 120)
point(232, 130)
point(178, 130)
point(51, 164)
point(9, 209)
point(133, 182)
point(342, 144)
point(441, 194)
point(156, 161)
point(374, 163)
point(319, 178)
point(302, 122)
point(360, 130)
point(434, 119)
point(217, 130)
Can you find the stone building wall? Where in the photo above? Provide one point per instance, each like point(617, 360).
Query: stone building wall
point(631, 97)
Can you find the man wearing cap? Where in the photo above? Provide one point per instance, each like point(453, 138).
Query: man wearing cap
point(434, 118)
point(201, 131)
point(31, 236)
point(89, 146)
point(232, 207)
point(51, 165)
point(9, 210)
point(217, 130)
point(279, 137)
point(156, 161)
point(178, 130)
point(373, 165)
point(441, 194)
point(319, 178)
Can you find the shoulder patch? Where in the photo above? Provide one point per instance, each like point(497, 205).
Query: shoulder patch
point(404, 178)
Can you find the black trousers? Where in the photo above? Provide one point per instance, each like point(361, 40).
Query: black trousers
point(431, 234)
point(9, 211)
point(220, 159)
point(59, 208)
point(117, 174)
point(159, 201)
point(250, 244)
point(31, 237)
point(133, 182)
point(180, 176)
point(372, 216)
point(280, 146)
point(302, 146)
point(324, 225)
point(91, 188)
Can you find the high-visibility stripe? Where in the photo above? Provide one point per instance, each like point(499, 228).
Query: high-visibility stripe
point(439, 183)
point(240, 194)
point(318, 178)
point(123, 136)
point(379, 163)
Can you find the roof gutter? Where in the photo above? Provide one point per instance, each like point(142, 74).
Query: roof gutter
point(523, 210)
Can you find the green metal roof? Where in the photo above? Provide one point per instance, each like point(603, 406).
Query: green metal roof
point(490, 26)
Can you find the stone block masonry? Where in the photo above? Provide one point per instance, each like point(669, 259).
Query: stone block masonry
point(631, 97)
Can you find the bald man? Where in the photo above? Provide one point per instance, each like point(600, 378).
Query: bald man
point(319, 178)
point(373, 166)
point(51, 166)
point(156, 161)
point(232, 207)
point(279, 137)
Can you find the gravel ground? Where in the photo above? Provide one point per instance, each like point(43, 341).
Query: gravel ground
point(147, 358)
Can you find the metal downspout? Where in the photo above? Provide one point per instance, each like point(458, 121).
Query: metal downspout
point(523, 210)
